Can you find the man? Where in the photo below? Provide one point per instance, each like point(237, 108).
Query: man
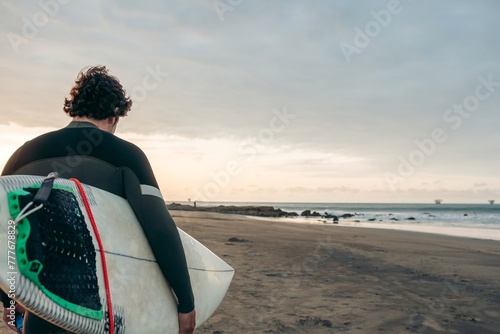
point(88, 150)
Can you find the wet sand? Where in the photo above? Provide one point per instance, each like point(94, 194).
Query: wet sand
point(293, 278)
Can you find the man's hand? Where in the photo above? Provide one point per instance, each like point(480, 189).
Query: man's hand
point(187, 322)
point(8, 319)
point(20, 309)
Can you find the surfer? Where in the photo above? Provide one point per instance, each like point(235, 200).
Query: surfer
point(88, 150)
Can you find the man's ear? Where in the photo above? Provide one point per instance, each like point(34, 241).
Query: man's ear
point(112, 120)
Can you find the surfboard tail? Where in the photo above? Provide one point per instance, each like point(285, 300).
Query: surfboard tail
point(34, 299)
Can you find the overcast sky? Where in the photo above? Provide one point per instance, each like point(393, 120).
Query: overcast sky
point(309, 101)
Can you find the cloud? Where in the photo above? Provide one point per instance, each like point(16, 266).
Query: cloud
point(226, 77)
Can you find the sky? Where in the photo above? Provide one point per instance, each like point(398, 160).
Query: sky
point(275, 101)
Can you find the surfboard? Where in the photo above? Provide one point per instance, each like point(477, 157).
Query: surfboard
point(55, 285)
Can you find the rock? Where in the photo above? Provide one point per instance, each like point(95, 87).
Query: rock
point(347, 215)
point(394, 219)
point(260, 211)
point(335, 221)
point(234, 239)
point(466, 215)
point(306, 213)
point(335, 218)
point(357, 221)
point(410, 218)
point(316, 321)
point(372, 219)
point(177, 206)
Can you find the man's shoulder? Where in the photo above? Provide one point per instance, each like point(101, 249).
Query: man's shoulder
point(44, 137)
point(84, 140)
point(120, 142)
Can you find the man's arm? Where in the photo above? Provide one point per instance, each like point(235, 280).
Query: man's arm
point(165, 241)
point(163, 237)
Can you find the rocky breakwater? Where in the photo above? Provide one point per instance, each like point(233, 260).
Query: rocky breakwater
point(335, 219)
point(259, 211)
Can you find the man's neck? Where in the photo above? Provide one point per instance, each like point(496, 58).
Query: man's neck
point(102, 124)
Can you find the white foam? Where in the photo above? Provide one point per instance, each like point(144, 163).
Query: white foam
point(466, 232)
point(477, 233)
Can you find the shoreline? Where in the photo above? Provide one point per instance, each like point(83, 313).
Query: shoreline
point(454, 231)
point(469, 216)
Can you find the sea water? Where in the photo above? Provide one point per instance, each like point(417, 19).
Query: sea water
point(468, 220)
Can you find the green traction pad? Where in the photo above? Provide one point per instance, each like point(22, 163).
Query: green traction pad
point(40, 240)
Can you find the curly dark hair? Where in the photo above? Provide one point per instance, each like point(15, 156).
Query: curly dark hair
point(98, 95)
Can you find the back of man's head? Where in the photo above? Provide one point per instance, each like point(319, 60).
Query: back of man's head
point(97, 95)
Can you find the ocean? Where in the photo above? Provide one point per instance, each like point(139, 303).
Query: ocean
point(466, 220)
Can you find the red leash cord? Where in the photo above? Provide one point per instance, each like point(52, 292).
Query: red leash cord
point(103, 257)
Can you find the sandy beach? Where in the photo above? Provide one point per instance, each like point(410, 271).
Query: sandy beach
point(294, 278)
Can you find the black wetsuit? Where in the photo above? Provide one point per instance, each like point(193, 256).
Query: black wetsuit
point(105, 161)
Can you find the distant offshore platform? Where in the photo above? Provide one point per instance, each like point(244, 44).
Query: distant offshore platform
point(439, 201)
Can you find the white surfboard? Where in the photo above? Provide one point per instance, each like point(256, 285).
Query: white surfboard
point(142, 300)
